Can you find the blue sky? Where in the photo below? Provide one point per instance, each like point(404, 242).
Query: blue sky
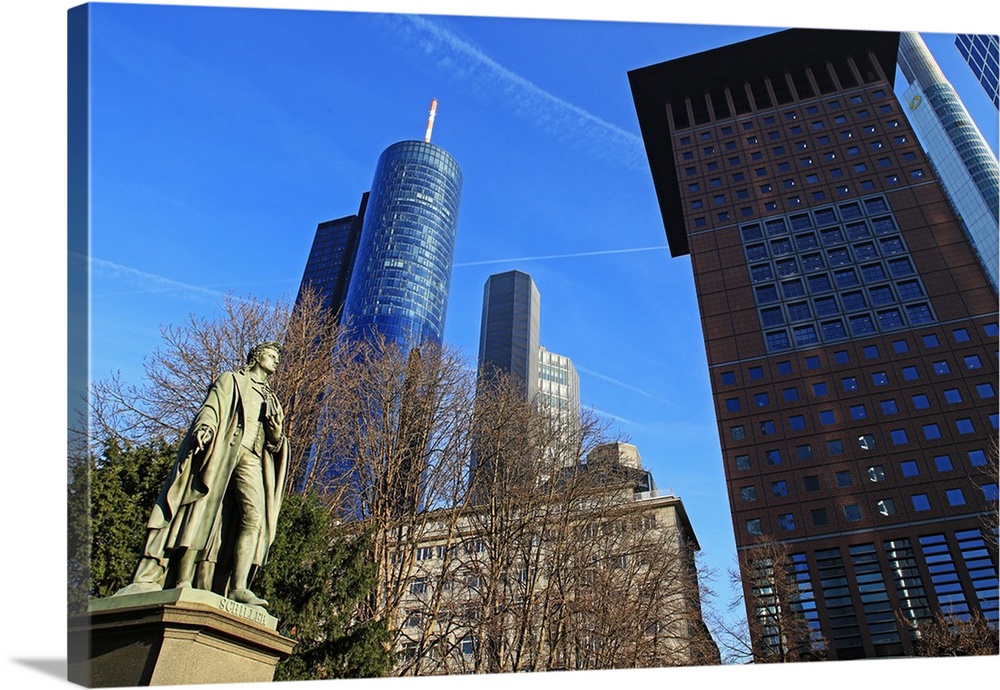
point(221, 137)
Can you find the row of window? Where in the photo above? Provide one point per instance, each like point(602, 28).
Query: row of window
point(728, 377)
point(888, 406)
point(792, 116)
point(897, 437)
point(875, 473)
point(886, 507)
point(835, 447)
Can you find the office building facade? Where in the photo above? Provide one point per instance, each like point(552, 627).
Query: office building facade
point(963, 161)
point(387, 270)
point(982, 52)
point(850, 330)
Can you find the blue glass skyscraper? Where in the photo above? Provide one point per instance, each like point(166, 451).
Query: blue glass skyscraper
point(402, 272)
point(962, 159)
point(982, 52)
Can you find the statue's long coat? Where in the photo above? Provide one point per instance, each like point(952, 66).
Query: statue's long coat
point(192, 509)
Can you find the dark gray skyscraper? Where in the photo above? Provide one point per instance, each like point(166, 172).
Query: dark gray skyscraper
point(508, 335)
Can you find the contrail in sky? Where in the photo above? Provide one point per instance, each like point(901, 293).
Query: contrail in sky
point(151, 282)
point(601, 252)
point(622, 384)
point(551, 113)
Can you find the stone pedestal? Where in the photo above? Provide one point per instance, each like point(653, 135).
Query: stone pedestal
point(173, 637)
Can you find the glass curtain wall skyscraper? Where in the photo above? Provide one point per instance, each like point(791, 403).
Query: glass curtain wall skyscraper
point(964, 162)
point(850, 332)
point(387, 269)
point(402, 274)
point(982, 52)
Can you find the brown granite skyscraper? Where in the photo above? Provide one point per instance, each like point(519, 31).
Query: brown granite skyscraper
point(851, 332)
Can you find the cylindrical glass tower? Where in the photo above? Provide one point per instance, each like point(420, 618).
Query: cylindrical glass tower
point(401, 278)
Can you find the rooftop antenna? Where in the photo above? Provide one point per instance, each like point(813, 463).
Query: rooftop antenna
point(430, 120)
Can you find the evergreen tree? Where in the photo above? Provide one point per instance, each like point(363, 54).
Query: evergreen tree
point(316, 575)
point(110, 498)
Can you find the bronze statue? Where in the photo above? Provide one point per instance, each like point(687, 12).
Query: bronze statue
point(215, 518)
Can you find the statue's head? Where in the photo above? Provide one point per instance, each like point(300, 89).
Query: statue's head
point(257, 351)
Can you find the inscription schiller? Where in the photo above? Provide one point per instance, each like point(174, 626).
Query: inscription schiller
point(243, 611)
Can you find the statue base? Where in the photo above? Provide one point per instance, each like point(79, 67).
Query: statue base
point(173, 637)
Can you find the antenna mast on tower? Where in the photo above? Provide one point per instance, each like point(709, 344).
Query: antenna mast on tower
point(430, 120)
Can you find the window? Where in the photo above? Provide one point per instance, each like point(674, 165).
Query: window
point(930, 340)
point(773, 457)
point(964, 426)
point(849, 383)
point(811, 482)
point(972, 362)
point(841, 357)
point(742, 462)
point(920, 502)
point(756, 373)
point(779, 488)
point(955, 497)
point(812, 362)
point(786, 522)
point(748, 494)
point(942, 463)
point(784, 368)
point(843, 478)
point(732, 404)
point(858, 412)
point(767, 427)
point(754, 526)
point(803, 452)
point(792, 394)
point(931, 431)
point(876, 473)
point(879, 378)
point(898, 437)
point(796, 422)
point(941, 367)
point(870, 351)
point(418, 586)
point(827, 417)
point(952, 396)
point(900, 346)
point(886, 507)
point(910, 374)
point(852, 512)
point(985, 390)
point(728, 378)
point(961, 335)
point(889, 319)
point(761, 399)
point(889, 407)
point(737, 433)
point(909, 468)
point(990, 492)
point(819, 517)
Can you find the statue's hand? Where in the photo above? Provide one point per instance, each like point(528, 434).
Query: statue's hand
point(274, 427)
point(202, 437)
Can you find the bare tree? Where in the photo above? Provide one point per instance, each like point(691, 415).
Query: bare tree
point(943, 635)
point(776, 629)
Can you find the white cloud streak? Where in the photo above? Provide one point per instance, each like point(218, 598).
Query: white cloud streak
point(622, 384)
point(563, 120)
point(142, 282)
